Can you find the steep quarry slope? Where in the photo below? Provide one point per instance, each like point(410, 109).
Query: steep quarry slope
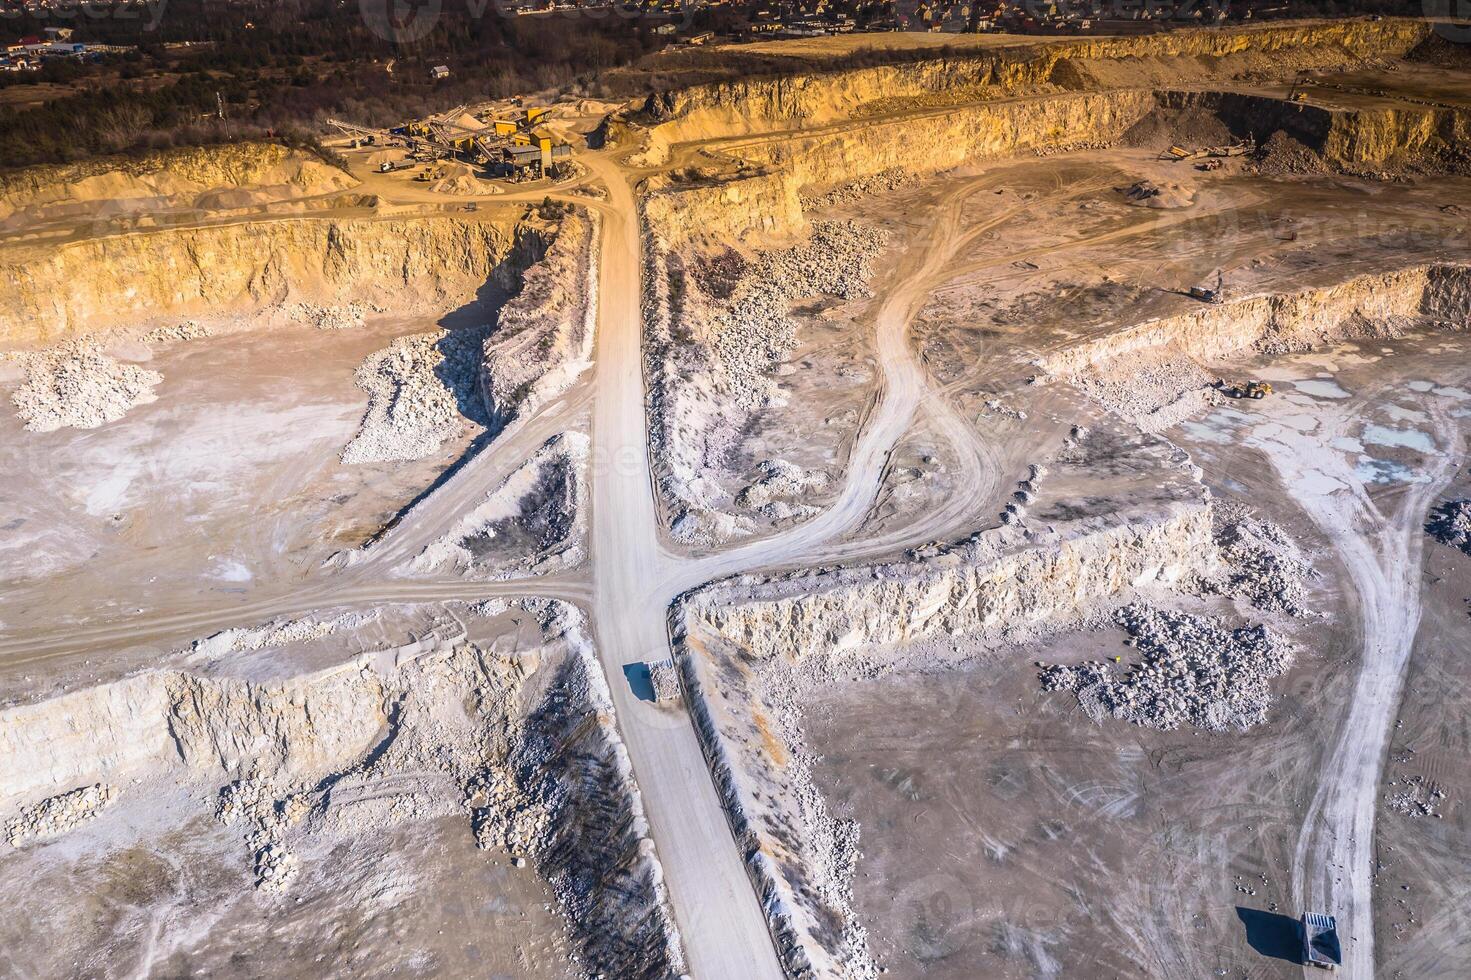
point(544, 335)
point(1156, 372)
point(520, 742)
point(800, 94)
point(401, 265)
point(197, 177)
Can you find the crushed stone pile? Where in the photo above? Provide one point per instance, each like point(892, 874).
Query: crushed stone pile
point(754, 332)
point(77, 385)
point(60, 814)
point(1450, 523)
point(718, 357)
point(781, 479)
point(1263, 565)
point(534, 522)
point(188, 330)
point(422, 390)
point(885, 180)
point(664, 678)
point(345, 317)
point(1283, 155)
point(1195, 670)
point(1415, 796)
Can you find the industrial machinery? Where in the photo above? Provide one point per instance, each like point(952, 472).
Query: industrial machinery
point(1320, 945)
point(1251, 389)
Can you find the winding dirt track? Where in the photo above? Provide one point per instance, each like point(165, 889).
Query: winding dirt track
point(1332, 868)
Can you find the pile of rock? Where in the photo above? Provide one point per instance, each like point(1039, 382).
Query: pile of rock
point(254, 801)
point(754, 332)
point(60, 814)
point(1263, 565)
point(1195, 671)
point(344, 317)
point(78, 385)
point(781, 479)
point(421, 390)
point(504, 814)
point(664, 679)
point(1415, 796)
point(188, 330)
point(1450, 523)
point(883, 181)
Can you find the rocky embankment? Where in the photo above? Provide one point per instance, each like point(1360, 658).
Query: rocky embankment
point(411, 265)
point(212, 177)
point(717, 326)
point(534, 523)
point(1156, 372)
point(521, 743)
point(543, 337)
point(804, 93)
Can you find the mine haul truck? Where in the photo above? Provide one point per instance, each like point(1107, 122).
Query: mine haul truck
point(1320, 941)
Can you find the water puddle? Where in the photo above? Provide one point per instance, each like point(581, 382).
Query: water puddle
point(1320, 388)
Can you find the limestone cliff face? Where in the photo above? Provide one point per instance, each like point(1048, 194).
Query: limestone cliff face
point(1008, 582)
point(401, 264)
point(1285, 321)
point(930, 142)
point(724, 209)
point(812, 94)
point(254, 172)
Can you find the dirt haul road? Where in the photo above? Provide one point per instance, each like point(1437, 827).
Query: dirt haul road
point(636, 579)
point(1332, 865)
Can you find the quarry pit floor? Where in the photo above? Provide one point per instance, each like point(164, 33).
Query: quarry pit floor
point(1003, 830)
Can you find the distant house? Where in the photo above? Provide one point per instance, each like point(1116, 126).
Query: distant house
point(439, 71)
point(702, 38)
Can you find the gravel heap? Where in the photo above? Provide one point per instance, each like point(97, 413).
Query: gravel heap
point(664, 678)
point(1450, 523)
point(421, 390)
point(328, 317)
point(754, 333)
point(77, 385)
point(1282, 155)
point(1264, 566)
point(885, 180)
point(188, 330)
point(1415, 796)
point(253, 801)
point(59, 814)
point(780, 478)
point(1194, 671)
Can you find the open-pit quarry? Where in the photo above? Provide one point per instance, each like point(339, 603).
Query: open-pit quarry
point(833, 533)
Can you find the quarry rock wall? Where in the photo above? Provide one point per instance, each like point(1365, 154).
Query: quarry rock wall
point(1285, 321)
point(813, 94)
point(1348, 138)
point(399, 265)
point(931, 142)
point(729, 209)
point(963, 596)
point(169, 178)
point(544, 334)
